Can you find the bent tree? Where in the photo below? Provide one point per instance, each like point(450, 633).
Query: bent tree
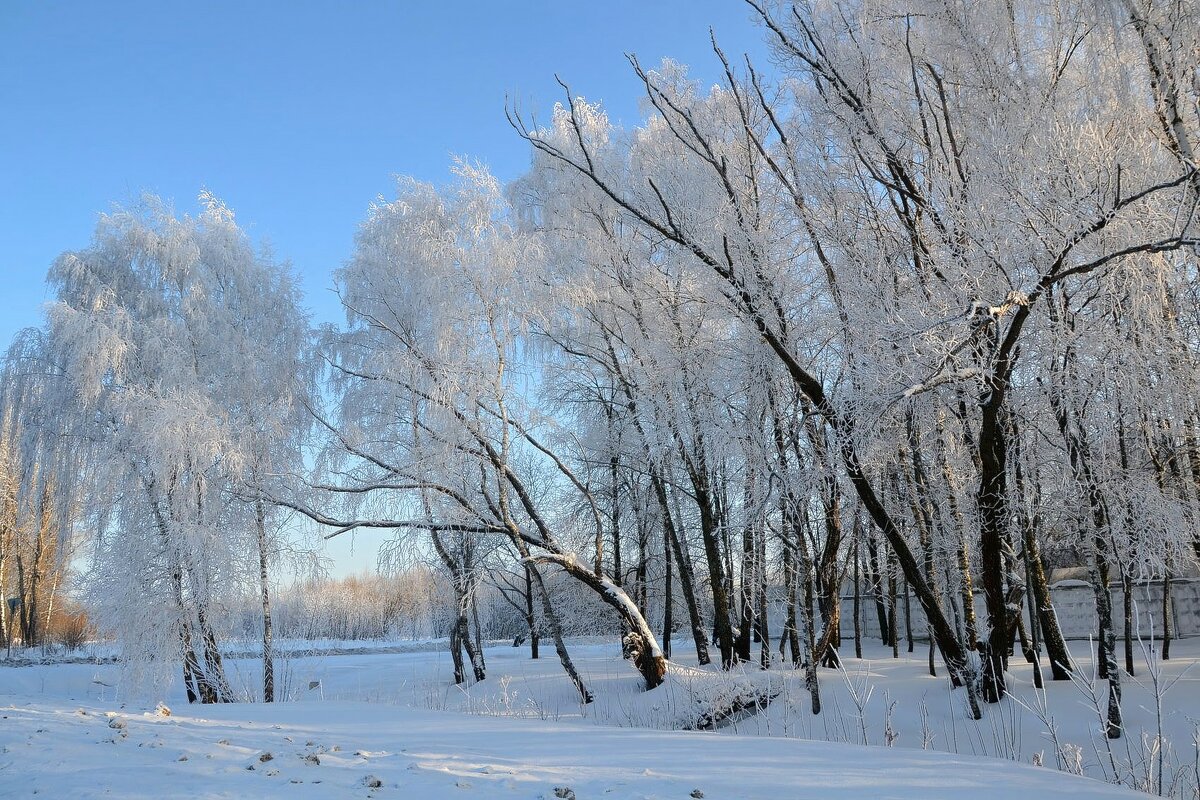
point(437, 414)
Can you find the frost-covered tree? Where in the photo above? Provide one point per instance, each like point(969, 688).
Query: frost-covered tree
point(437, 429)
point(180, 344)
point(888, 222)
point(39, 477)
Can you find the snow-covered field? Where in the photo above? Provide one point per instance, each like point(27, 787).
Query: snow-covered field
point(393, 718)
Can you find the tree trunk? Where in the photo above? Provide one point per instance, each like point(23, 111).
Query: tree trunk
point(811, 681)
point(1035, 654)
point(764, 634)
point(214, 669)
point(456, 649)
point(908, 628)
point(790, 637)
point(875, 578)
point(268, 661)
point(722, 630)
point(1108, 645)
point(892, 626)
point(615, 516)
point(560, 647)
point(1127, 589)
point(1078, 455)
point(668, 622)
point(687, 580)
point(1167, 627)
point(530, 618)
point(1047, 620)
point(966, 591)
point(640, 645)
point(191, 666)
point(746, 591)
point(857, 593)
point(992, 503)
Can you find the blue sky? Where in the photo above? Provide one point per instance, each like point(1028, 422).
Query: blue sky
point(298, 114)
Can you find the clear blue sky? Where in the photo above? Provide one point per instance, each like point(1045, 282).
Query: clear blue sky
point(297, 114)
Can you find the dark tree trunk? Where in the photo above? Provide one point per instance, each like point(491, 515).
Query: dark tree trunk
point(892, 626)
point(908, 628)
point(668, 622)
point(993, 526)
point(1127, 589)
point(1167, 627)
point(560, 647)
point(638, 644)
point(1035, 571)
point(857, 594)
point(1035, 650)
point(530, 617)
point(790, 636)
point(687, 580)
point(1078, 455)
point(722, 630)
point(745, 598)
point(460, 673)
point(615, 516)
point(764, 634)
point(212, 678)
point(877, 590)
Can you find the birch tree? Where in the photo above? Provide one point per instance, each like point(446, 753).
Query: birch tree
point(178, 344)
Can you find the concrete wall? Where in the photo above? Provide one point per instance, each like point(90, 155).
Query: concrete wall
point(1074, 604)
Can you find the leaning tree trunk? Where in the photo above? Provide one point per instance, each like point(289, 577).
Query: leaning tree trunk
point(191, 666)
point(555, 628)
point(641, 646)
point(1056, 645)
point(1038, 585)
point(460, 630)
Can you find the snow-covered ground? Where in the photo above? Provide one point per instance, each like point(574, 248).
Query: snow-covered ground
point(394, 718)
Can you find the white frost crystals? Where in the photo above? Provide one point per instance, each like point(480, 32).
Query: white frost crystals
point(180, 344)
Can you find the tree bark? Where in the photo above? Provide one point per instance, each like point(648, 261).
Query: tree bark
point(268, 661)
point(642, 647)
